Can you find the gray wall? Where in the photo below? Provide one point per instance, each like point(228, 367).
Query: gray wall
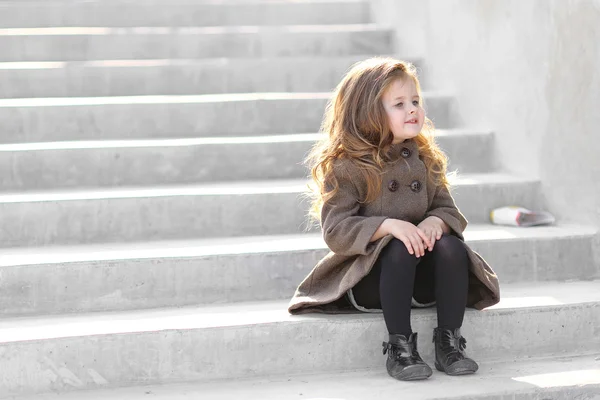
point(527, 69)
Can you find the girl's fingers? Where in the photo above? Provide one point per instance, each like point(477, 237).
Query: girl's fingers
point(407, 243)
point(424, 237)
point(433, 236)
point(419, 245)
point(439, 235)
point(414, 245)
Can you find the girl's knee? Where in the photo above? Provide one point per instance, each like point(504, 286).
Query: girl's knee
point(396, 246)
point(397, 251)
point(449, 246)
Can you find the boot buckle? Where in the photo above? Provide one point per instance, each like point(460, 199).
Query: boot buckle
point(386, 347)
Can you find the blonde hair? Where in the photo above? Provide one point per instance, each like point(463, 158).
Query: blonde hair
point(356, 127)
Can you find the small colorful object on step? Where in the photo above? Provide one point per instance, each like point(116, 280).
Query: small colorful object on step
point(519, 216)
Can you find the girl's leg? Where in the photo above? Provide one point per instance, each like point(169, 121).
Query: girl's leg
point(451, 280)
point(389, 286)
point(443, 275)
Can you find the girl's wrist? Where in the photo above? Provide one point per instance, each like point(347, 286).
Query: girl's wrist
point(443, 225)
point(385, 226)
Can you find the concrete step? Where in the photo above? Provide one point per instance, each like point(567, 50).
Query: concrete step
point(202, 211)
point(52, 165)
point(145, 117)
point(198, 344)
point(126, 276)
point(157, 13)
point(173, 77)
point(106, 43)
point(555, 378)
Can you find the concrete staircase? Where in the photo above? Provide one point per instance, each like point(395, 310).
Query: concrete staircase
point(153, 228)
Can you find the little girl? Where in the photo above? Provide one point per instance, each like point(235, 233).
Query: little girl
point(394, 231)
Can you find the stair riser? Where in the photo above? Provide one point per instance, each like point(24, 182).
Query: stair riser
point(102, 167)
point(177, 78)
point(199, 216)
point(168, 118)
point(151, 165)
point(149, 218)
point(123, 44)
point(182, 281)
point(180, 13)
point(314, 345)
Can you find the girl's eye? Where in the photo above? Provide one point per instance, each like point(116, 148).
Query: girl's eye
point(399, 104)
point(416, 102)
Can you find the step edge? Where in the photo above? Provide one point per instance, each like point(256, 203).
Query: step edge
point(371, 376)
point(186, 141)
point(167, 31)
point(259, 313)
point(224, 188)
point(19, 257)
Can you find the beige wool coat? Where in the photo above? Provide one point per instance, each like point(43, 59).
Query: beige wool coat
point(348, 226)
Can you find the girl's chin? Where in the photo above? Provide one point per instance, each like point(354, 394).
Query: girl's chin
point(408, 135)
point(402, 139)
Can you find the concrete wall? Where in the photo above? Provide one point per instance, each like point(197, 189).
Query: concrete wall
point(527, 69)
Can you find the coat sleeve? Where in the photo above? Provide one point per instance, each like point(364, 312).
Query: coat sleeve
point(344, 230)
point(444, 207)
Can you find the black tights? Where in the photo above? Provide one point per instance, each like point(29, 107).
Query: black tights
point(389, 286)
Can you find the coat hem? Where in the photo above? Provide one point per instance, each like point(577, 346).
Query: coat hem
point(352, 300)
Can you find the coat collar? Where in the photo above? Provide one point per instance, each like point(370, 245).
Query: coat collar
point(395, 151)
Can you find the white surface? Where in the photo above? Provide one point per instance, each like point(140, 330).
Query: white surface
point(223, 188)
point(157, 99)
point(237, 314)
point(573, 373)
point(242, 245)
point(210, 30)
point(246, 245)
point(185, 142)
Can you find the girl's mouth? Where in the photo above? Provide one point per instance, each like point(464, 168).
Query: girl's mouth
point(411, 121)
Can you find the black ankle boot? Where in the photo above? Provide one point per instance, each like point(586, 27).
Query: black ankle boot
point(450, 356)
point(404, 362)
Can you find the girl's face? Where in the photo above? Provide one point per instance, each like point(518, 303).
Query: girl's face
point(404, 111)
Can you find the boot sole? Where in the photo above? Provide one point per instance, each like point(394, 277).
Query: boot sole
point(462, 367)
point(414, 374)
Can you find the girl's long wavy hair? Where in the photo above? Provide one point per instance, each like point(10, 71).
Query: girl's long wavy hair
point(356, 127)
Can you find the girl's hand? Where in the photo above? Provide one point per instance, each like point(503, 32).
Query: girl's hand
point(413, 238)
point(433, 227)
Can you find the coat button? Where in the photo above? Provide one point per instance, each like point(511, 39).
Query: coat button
point(406, 152)
point(415, 186)
point(393, 185)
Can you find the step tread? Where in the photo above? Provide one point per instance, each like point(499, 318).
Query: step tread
point(201, 141)
point(182, 2)
point(248, 244)
point(538, 295)
point(160, 143)
point(225, 188)
point(175, 62)
point(173, 99)
point(575, 375)
point(157, 99)
point(188, 141)
point(201, 30)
